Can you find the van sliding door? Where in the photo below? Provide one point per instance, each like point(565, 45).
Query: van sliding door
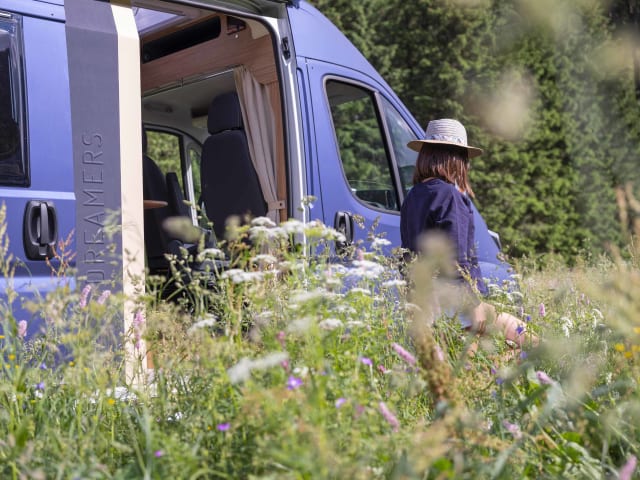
point(104, 80)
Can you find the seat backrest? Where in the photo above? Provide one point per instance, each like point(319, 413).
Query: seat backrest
point(154, 187)
point(229, 182)
point(176, 196)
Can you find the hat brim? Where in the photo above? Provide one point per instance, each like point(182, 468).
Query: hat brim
point(416, 145)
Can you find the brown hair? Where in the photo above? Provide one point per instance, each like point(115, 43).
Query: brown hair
point(446, 162)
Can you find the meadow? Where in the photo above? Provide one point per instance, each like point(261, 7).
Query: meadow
point(295, 366)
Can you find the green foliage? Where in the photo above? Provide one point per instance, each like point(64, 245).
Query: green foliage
point(548, 89)
point(299, 367)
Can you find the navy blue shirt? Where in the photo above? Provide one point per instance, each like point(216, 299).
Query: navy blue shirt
point(436, 205)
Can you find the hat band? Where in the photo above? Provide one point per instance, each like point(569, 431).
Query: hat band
point(446, 138)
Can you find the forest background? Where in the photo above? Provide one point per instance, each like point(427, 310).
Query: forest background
point(550, 89)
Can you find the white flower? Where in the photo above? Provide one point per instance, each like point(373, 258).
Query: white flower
point(264, 258)
point(240, 276)
point(359, 290)
point(355, 323)
point(303, 297)
point(241, 371)
point(210, 321)
point(292, 226)
point(396, 282)
point(210, 253)
point(367, 269)
point(379, 243)
point(330, 324)
point(262, 222)
point(299, 325)
point(566, 325)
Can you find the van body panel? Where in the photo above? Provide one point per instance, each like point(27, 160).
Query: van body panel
point(37, 8)
point(49, 154)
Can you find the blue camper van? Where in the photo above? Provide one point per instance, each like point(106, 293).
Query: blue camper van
point(257, 105)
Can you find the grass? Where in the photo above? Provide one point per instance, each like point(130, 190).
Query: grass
point(298, 367)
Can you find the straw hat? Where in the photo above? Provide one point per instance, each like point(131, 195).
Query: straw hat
point(445, 131)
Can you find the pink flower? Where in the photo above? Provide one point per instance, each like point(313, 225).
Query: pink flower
point(402, 353)
point(389, 416)
point(513, 429)
point(138, 324)
point(541, 310)
point(223, 427)
point(84, 295)
point(382, 369)
point(103, 297)
point(544, 379)
point(281, 338)
point(22, 328)
point(439, 353)
point(626, 472)
point(365, 360)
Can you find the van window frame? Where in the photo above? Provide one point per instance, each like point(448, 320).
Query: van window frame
point(385, 137)
point(18, 99)
point(186, 168)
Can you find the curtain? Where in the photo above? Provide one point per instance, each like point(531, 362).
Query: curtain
point(259, 125)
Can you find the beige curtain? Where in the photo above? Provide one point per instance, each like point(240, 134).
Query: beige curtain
point(259, 126)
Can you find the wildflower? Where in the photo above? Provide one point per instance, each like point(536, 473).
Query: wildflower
point(382, 369)
point(241, 370)
point(523, 355)
point(544, 379)
point(223, 427)
point(40, 386)
point(520, 330)
point(619, 347)
point(340, 401)
point(293, 383)
point(365, 360)
point(636, 329)
point(626, 472)
point(43, 366)
point(527, 318)
point(138, 323)
point(22, 328)
point(389, 416)
point(439, 353)
point(263, 222)
point(402, 353)
point(330, 324)
point(394, 283)
point(103, 297)
point(499, 381)
point(84, 295)
point(209, 321)
point(158, 453)
point(280, 336)
point(111, 401)
point(379, 243)
point(513, 429)
point(541, 310)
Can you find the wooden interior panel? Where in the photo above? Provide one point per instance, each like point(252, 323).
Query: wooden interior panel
point(213, 56)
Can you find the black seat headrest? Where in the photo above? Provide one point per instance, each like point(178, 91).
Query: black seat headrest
point(224, 113)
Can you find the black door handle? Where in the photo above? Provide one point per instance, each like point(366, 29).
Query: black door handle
point(343, 223)
point(40, 229)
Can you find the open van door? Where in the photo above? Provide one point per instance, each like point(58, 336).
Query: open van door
point(104, 82)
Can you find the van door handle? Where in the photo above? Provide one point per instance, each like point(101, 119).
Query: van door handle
point(40, 229)
point(343, 223)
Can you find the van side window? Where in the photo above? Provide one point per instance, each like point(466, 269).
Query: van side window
point(13, 156)
point(401, 134)
point(164, 149)
point(360, 138)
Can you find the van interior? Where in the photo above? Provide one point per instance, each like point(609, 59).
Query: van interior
point(213, 140)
